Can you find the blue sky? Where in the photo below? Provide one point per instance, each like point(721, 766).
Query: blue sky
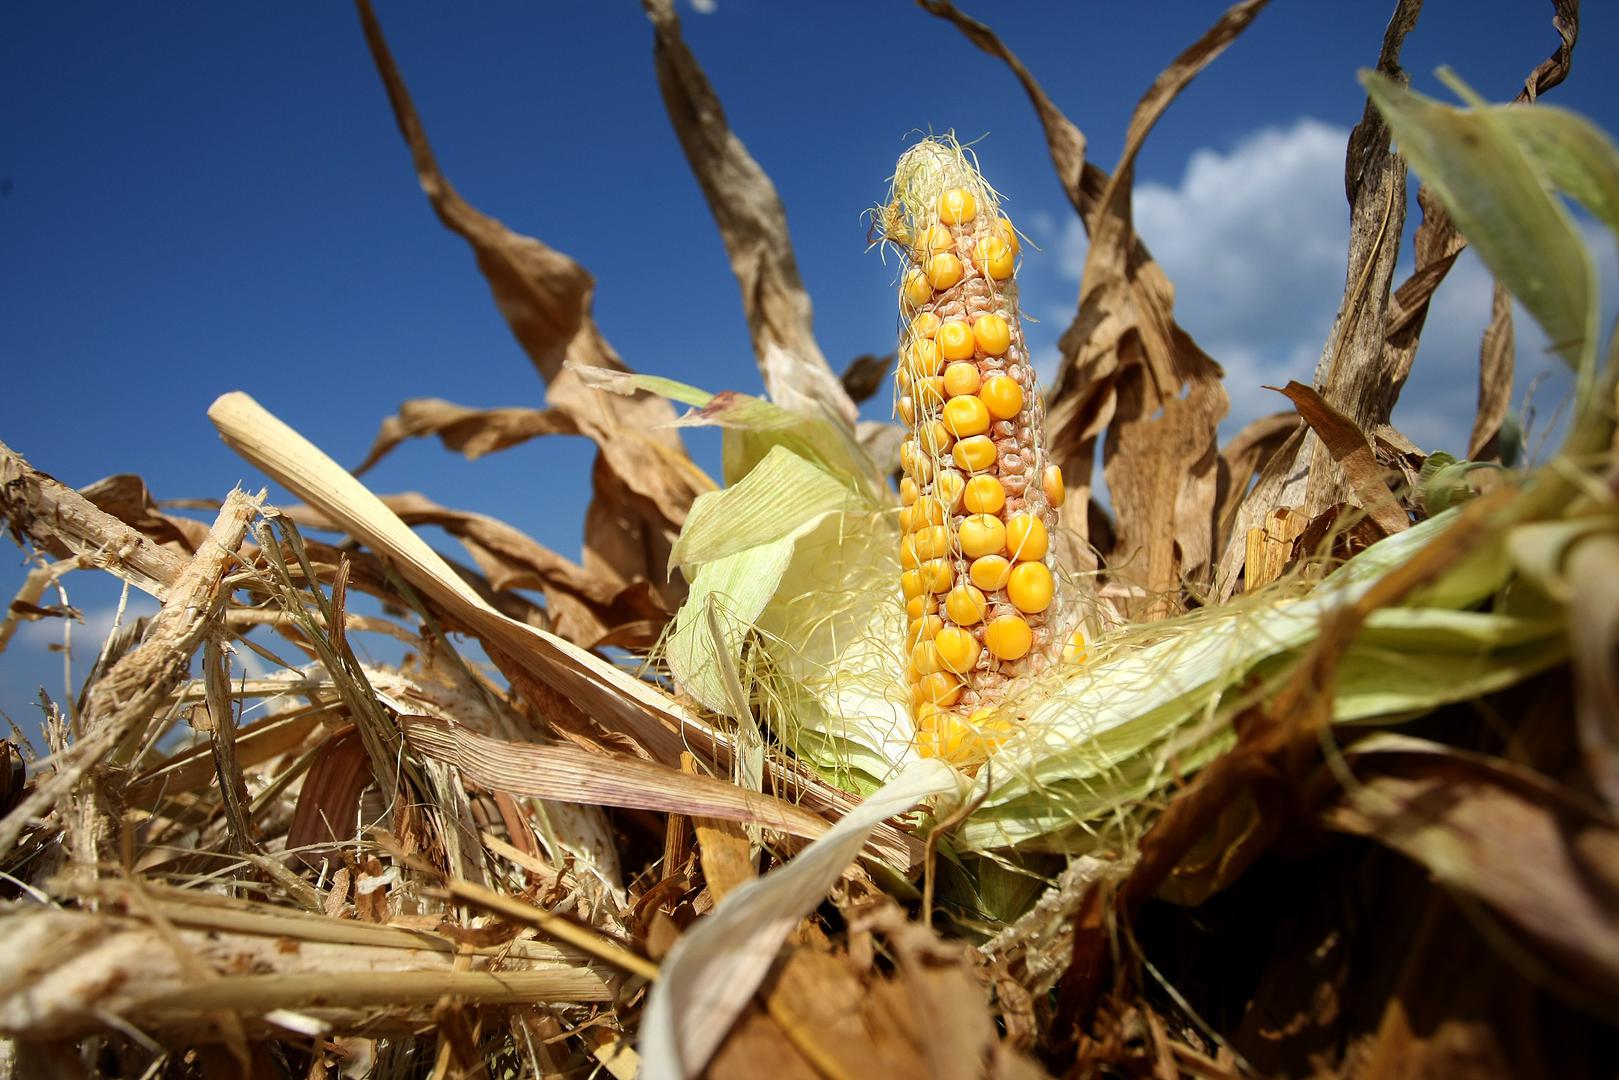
point(200, 198)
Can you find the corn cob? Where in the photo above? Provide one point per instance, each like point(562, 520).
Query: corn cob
point(979, 499)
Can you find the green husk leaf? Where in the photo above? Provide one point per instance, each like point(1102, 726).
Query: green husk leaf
point(775, 498)
point(753, 427)
point(736, 546)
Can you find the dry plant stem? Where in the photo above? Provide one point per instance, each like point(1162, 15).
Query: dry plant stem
point(586, 941)
point(99, 965)
point(64, 523)
point(123, 703)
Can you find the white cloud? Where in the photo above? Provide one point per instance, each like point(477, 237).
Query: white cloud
point(1255, 239)
point(705, 7)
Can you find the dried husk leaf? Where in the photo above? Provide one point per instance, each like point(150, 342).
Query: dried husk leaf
point(753, 223)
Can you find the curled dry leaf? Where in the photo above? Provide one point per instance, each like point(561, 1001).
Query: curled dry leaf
point(1351, 449)
point(585, 607)
point(753, 224)
point(472, 432)
point(127, 498)
point(1501, 833)
point(546, 298)
point(1497, 353)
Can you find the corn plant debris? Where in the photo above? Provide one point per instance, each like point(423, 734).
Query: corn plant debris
point(1321, 777)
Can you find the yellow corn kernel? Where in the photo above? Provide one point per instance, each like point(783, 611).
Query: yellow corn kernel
point(933, 437)
point(965, 417)
point(944, 271)
point(907, 490)
point(931, 542)
point(916, 606)
point(1051, 481)
point(957, 649)
point(1074, 649)
point(1002, 396)
point(925, 658)
point(921, 358)
point(974, 454)
point(937, 574)
point(915, 463)
point(957, 206)
point(1008, 637)
point(907, 520)
point(990, 572)
point(955, 340)
point(908, 559)
point(912, 584)
point(982, 534)
point(924, 629)
point(961, 378)
point(1030, 587)
point(929, 392)
point(924, 326)
point(992, 334)
point(1026, 538)
point(994, 258)
point(916, 290)
point(934, 239)
point(907, 410)
point(948, 487)
point(983, 494)
point(965, 605)
point(937, 731)
point(929, 510)
point(1007, 235)
point(941, 688)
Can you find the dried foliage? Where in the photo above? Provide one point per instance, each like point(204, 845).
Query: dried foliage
point(1363, 819)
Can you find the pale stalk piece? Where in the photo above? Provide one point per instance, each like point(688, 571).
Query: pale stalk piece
point(980, 496)
point(68, 970)
point(122, 704)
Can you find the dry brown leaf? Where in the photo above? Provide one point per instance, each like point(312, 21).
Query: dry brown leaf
point(472, 432)
point(866, 375)
point(1503, 834)
point(1128, 366)
point(1497, 355)
point(324, 814)
point(546, 298)
point(1437, 245)
point(587, 608)
point(126, 498)
point(1243, 459)
point(569, 774)
point(753, 224)
point(1352, 451)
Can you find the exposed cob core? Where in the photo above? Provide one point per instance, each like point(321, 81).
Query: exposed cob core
point(979, 498)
